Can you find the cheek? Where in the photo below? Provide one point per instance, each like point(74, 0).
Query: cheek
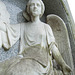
point(40, 10)
point(30, 9)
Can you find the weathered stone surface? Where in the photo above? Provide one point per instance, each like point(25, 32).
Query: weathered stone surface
point(17, 18)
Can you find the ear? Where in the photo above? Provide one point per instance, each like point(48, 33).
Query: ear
point(26, 16)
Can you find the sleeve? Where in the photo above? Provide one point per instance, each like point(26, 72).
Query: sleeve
point(10, 37)
point(50, 37)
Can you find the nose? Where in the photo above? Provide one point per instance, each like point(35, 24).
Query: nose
point(35, 6)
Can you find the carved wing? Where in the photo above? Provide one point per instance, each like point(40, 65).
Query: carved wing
point(61, 35)
point(4, 15)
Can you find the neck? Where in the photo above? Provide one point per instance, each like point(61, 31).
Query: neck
point(35, 19)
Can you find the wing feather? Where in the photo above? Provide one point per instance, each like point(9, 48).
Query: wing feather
point(61, 35)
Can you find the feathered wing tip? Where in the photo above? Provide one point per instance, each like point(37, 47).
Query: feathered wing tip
point(61, 35)
point(4, 14)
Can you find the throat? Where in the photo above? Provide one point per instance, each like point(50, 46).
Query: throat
point(36, 23)
point(35, 19)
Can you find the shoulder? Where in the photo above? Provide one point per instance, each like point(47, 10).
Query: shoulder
point(48, 29)
point(47, 26)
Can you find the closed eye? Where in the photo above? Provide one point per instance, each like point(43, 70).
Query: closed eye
point(38, 5)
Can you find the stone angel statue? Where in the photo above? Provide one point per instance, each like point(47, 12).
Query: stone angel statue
point(37, 46)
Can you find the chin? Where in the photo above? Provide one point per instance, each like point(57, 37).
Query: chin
point(35, 14)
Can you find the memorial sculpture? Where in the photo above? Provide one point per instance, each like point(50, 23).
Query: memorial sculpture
point(37, 45)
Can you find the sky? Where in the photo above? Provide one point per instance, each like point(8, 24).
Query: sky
point(72, 7)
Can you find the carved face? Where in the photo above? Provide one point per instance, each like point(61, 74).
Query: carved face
point(35, 8)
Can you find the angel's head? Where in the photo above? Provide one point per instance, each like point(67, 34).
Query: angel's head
point(35, 8)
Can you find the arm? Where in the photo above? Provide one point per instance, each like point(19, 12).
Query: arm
point(60, 61)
